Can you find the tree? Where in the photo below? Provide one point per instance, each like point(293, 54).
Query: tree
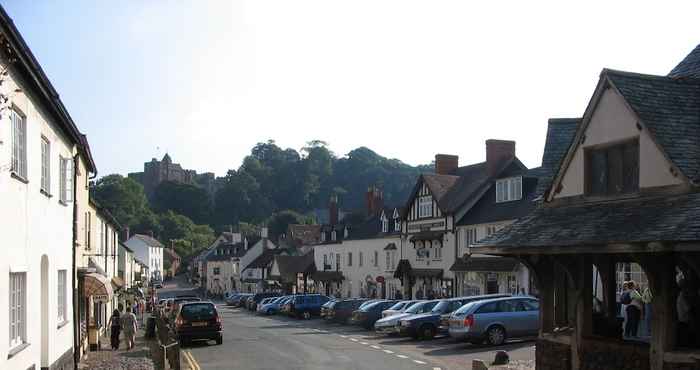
point(185, 199)
point(125, 199)
point(278, 222)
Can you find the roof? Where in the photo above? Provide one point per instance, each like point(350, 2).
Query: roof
point(327, 276)
point(289, 266)
point(427, 235)
point(169, 252)
point(390, 247)
point(306, 234)
point(371, 227)
point(121, 244)
point(638, 220)
point(263, 260)
point(148, 240)
point(435, 273)
point(485, 264)
point(41, 85)
point(105, 214)
point(228, 251)
point(689, 66)
point(670, 109)
point(560, 135)
point(486, 209)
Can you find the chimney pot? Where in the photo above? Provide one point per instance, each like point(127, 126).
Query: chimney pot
point(446, 164)
point(497, 152)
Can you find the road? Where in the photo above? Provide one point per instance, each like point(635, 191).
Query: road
point(275, 342)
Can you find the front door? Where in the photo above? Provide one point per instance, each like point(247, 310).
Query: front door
point(491, 283)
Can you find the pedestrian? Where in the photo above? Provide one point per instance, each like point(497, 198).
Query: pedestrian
point(129, 326)
point(633, 301)
point(115, 329)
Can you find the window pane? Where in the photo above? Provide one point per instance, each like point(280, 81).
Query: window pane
point(630, 175)
point(615, 170)
point(598, 172)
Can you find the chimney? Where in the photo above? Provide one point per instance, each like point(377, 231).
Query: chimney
point(369, 199)
point(263, 232)
point(126, 233)
point(333, 210)
point(375, 200)
point(150, 233)
point(378, 200)
point(497, 152)
point(446, 164)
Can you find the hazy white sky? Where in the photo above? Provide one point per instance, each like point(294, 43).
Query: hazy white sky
point(206, 80)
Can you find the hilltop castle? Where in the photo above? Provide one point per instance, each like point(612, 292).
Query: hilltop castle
point(155, 172)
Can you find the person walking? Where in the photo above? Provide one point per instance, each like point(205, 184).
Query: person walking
point(129, 326)
point(115, 329)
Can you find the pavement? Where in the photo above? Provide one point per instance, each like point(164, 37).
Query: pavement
point(138, 358)
point(275, 342)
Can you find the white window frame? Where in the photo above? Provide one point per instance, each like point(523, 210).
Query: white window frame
point(349, 258)
point(360, 259)
point(333, 235)
point(61, 296)
point(438, 250)
point(18, 162)
point(66, 180)
point(388, 258)
point(45, 165)
point(385, 226)
point(397, 224)
point(509, 189)
point(425, 206)
point(18, 309)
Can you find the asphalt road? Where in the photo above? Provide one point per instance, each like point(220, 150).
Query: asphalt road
point(274, 342)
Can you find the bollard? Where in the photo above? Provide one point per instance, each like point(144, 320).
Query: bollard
point(166, 362)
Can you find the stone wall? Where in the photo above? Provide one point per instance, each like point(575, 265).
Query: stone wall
point(614, 355)
point(679, 366)
point(552, 355)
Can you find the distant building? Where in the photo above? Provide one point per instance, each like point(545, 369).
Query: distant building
point(155, 172)
point(149, 251)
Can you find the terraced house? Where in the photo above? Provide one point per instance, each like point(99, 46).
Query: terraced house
point(626, 191)
point(41, 152)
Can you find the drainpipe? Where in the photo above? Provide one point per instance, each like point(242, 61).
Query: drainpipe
point(76, 313)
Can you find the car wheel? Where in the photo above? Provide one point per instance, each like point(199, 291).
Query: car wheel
point(427, 332)
point(496, 335)
point(306, 315)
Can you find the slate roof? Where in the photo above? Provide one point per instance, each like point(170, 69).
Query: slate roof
point(227, 252)
point(670, 108)
point(371, 227)
point(263, 260)
point(149, 240)
point(487, 210)
point(485, 264)
point(327, 276)
point(649, 219)
point(560, 135)
point(289, 266)
point(689, 66)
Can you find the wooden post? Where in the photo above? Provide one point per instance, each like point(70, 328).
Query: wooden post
point(545, 272)
point(582, 307)
point(663, 328)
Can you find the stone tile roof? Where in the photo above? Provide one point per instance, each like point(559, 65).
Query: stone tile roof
point(149, 240)
point(485, 264)
point(560, 135)
point(670, 108)
point(648, 219)
point(290, 266)
point(263, 260)
point(689, 66)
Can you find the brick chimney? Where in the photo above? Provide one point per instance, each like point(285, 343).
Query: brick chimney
point(375, 200)
point(446, 164)
point(333, 210)
point(150, 233)
point(126, 233)
point(497, 152)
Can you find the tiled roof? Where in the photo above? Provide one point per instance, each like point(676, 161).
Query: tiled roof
point(658, 219)
point(289, 266)
point(670, 108)
point(149, 240)
point(263, 260)
point(485, 264)
point(227, 252)
point(689, 66)
point(560, 134)
point(439, 185)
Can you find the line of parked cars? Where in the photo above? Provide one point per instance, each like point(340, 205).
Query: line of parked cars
point(492, 318)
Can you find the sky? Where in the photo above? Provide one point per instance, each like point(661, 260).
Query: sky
point(207, 80)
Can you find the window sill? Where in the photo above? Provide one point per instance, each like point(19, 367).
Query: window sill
point(19, 178)
point(14, 351)
point(63, 203)
point(62, 324)
point(46, 193)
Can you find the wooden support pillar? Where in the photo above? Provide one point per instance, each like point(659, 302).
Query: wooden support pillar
point(583, 302)
point(545, 273)
point(663, 328)
point(608, 275)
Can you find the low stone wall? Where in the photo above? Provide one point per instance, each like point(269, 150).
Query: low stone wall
point(614, 355)
point(552, 355)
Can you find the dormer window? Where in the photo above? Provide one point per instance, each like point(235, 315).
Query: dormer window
point(425, 206)
point(333, 235)
point(612, 170)
point(509, 189)
point(385, 224)
point(323, 236)
point(345, 233)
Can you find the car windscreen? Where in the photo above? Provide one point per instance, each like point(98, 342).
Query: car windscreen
point(466, 307)
point(198, 311)
point(441, 307)
point(397, 306)
point(380, 305)
point(421, 307)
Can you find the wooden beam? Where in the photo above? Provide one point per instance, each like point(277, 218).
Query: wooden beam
point(661, 273)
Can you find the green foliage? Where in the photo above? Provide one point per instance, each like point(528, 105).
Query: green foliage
point(125, 200)
point(186, 199)
point(278, 222)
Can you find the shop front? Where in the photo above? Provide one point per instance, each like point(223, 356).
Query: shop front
point(96, 295)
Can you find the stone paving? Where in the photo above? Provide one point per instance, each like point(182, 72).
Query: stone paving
point(139, 358)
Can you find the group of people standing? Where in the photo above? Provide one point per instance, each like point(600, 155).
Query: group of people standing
point(636, 306)
point(123, 322)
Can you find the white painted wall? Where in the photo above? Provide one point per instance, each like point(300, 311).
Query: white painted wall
point(152, 256)
point(35, 225)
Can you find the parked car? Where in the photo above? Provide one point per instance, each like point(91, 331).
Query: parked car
point(390, 324)
point(239, 300)
point(286, 305)
point(399, 307)
point(496, 320)
point(368, 302)
point(369, 314)
point(270, 306)
point(252, 303)
point(264, 302)
point(436, 321)
point(231, 298)
point(326, 307)
point(307, 305)
point(198, 321)
point(342, 310)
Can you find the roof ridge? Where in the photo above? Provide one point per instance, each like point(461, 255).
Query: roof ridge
point(607, 71)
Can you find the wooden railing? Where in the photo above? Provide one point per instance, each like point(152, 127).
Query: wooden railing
point(167, 350)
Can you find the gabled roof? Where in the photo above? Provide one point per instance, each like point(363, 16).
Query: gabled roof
point(289, 266)
point(560, 135)
point(439, 185)
point(263, 260)
point(689, 66)
point(148, 240)
point(227, 252)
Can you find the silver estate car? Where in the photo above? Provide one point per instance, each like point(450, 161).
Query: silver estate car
point(495, 320)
